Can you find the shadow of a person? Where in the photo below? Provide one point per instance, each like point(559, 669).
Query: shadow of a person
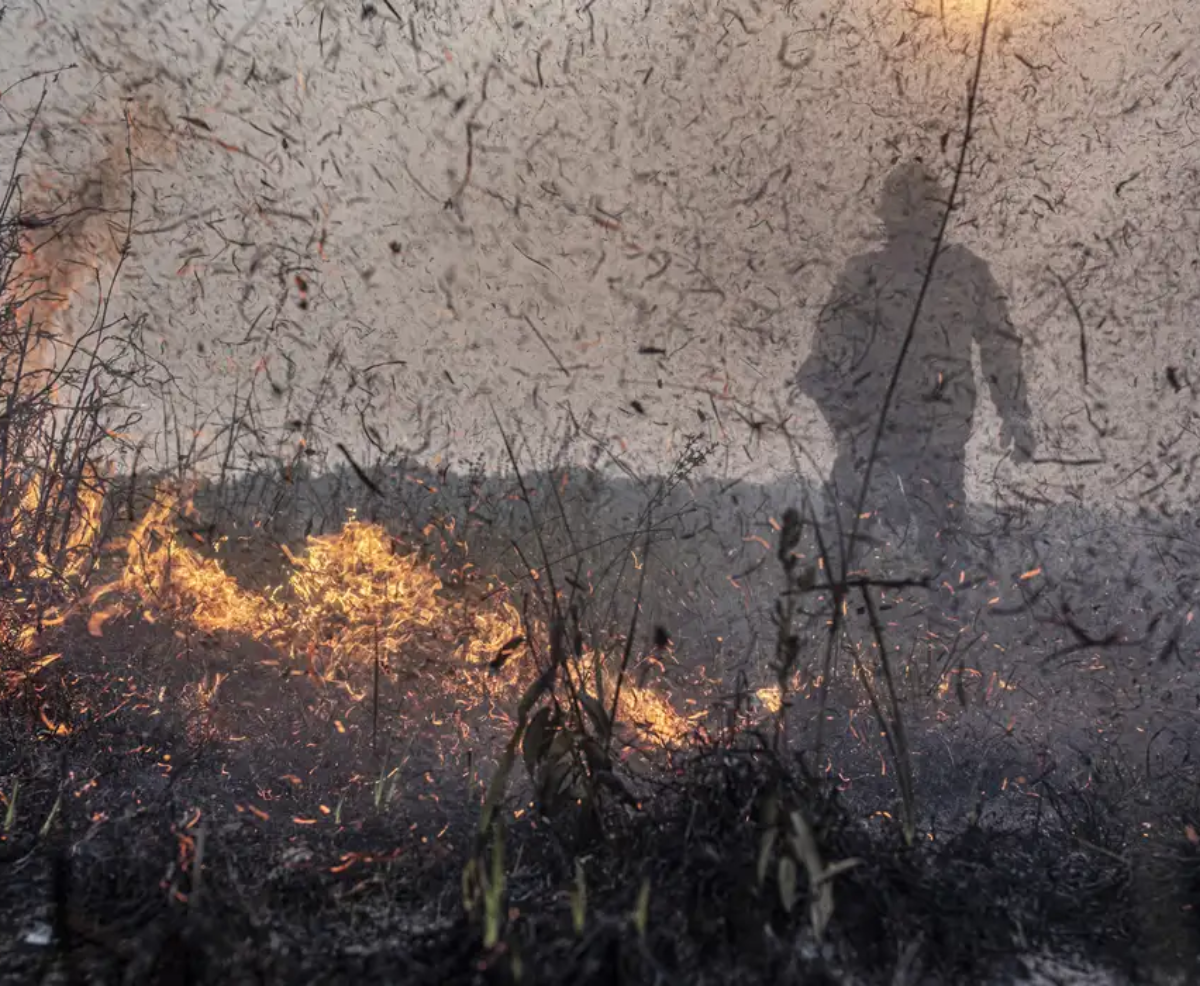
point(917, 490)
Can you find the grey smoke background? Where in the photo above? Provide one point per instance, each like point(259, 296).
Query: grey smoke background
point(681, 177)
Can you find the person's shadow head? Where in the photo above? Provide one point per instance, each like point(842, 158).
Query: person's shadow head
point(912, 202)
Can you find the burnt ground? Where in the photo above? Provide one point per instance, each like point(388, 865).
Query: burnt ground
point(306, 878)
point(332, 842)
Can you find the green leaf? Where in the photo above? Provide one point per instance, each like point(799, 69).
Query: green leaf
point(470, 886)
point(494, 891)
point(49, 822)
point(820, 909)
point(495, 791)
point(641, 911)
point(596, 712)
point(764, 855)
point(579, 899)
point(787, 883)
point(804, 846)
point(538, 736)
point(10, 816)
point(838, 868)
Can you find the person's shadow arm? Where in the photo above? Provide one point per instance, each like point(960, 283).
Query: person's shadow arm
point(827, 375)
point(1000, 352)
point(816, 372)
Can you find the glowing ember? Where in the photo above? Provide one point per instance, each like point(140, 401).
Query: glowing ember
point(771, 698)
point(649, 713)
point(653, 717)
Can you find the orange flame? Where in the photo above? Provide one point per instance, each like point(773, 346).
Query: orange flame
point(349, 596)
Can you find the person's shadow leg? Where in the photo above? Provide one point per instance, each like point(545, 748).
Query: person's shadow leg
point(944, 502)
point(844, 491)
point(887, 524)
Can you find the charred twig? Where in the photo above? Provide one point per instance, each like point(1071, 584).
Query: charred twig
point(359, 471)
point(542, 340)
point(1083, 339)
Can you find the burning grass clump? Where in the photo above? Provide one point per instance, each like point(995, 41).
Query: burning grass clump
point(358, 574)
point(353, 601)
point(356, 601)
point(350, 598)
point(175, 580)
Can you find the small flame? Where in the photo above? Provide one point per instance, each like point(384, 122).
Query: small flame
point(771, 698)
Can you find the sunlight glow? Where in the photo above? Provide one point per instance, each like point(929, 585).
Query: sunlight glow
point(962, 14)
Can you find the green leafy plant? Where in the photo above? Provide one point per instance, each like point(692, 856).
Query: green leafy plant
point(484, 888)
point(789, 841)
point(385, 786)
